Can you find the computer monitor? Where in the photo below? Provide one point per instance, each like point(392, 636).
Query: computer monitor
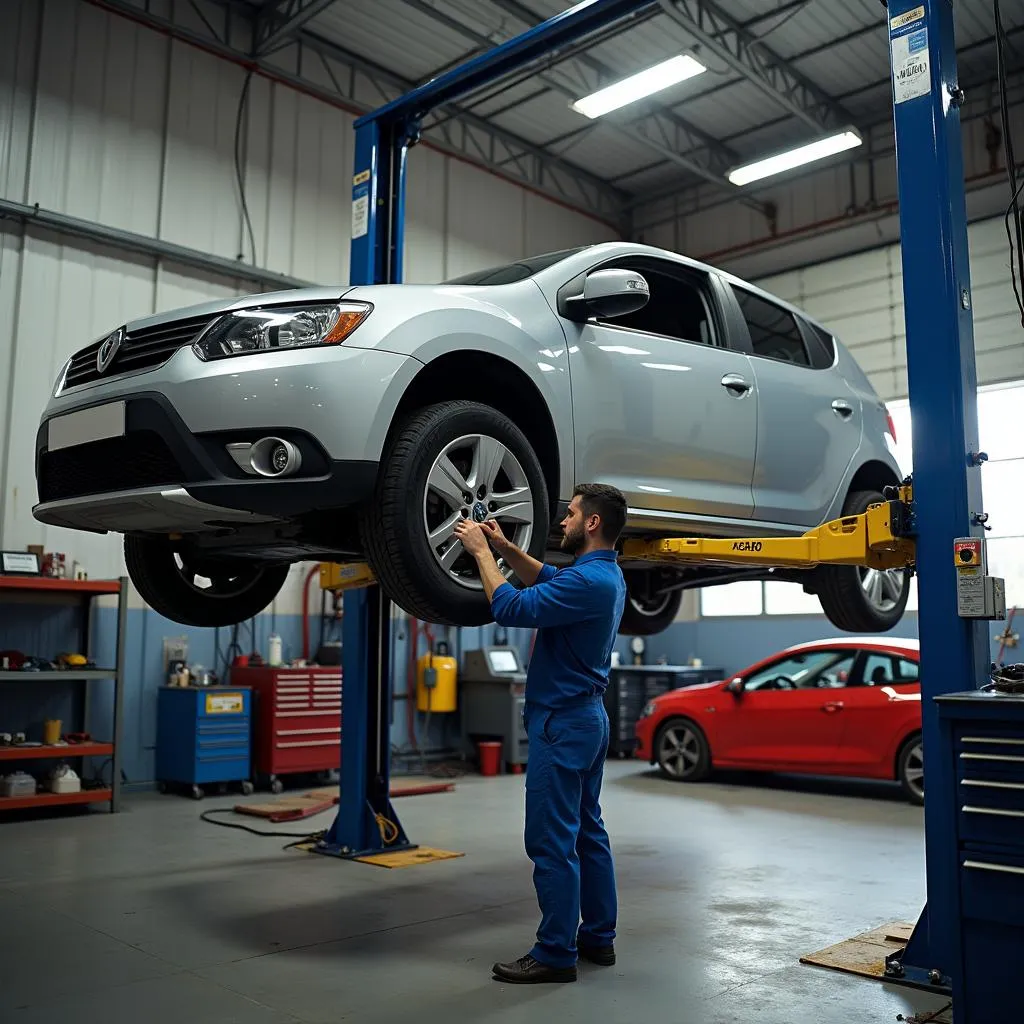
point(502, 660)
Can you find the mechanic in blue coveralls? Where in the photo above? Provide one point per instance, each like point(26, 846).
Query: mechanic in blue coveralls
point(576, 611)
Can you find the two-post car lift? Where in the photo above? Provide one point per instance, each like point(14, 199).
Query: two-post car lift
point(919, 527)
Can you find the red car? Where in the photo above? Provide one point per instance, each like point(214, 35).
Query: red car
point(849, 706)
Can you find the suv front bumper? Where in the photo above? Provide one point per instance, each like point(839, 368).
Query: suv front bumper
point(156, 475)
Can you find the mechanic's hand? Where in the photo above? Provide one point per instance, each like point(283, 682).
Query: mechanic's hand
point(473, 538)
point(496, 536)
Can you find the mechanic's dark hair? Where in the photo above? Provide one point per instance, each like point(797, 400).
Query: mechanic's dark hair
point(607, 502)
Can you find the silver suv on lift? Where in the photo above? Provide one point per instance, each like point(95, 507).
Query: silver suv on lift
point(228, 440)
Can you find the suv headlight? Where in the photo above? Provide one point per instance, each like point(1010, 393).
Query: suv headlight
point(263, 330)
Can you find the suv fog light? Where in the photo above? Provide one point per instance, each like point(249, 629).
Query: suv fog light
point(273, 456)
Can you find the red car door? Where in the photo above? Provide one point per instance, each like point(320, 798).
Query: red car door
point(789, 715)
point(873, 721)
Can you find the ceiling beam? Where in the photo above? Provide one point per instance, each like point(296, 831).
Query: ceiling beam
point(667, 135)
point(758, 63)
point(279, 20)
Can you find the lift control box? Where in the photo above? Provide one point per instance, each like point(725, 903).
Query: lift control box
point(978, 595)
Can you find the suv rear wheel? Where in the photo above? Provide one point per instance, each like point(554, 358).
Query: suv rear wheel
point(199, 590)
point(447, 462)
point(647, 610)
point(861, 600)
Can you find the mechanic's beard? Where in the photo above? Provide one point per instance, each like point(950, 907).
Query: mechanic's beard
point(573, 541)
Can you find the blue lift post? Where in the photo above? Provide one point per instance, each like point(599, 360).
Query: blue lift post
point(366, 822)
point(955, 652)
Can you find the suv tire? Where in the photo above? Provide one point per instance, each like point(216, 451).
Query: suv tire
point(860, 600)
point(490, 452)
point(644, 613)
point(166, 581)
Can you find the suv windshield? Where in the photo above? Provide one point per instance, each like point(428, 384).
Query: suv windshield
point(518, 271)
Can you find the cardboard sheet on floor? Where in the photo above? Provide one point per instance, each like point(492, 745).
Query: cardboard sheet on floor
point(291, 808)
point(864, 954)
point(408, 858)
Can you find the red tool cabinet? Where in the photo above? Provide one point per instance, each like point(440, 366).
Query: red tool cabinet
point(296, 720)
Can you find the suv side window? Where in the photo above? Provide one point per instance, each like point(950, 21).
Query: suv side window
point(676, 309)
point(774, 332)
point(821, 344)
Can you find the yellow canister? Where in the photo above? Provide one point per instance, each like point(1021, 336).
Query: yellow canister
point(443, 695)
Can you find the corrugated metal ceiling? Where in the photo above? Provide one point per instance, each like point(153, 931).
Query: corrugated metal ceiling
point(841, 47)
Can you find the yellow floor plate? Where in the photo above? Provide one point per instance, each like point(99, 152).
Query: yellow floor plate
point(408, 858)
point(864, 954)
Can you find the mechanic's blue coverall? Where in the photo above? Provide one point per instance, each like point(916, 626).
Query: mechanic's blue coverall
point(576, 610)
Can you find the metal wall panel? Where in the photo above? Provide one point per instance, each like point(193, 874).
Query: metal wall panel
point(108, 121)
point(860, 298)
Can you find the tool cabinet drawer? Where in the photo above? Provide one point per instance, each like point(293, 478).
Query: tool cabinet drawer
point(1001, 826)
point(992, 886)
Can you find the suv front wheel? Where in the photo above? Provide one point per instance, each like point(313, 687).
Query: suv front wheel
point(199, 590)
point(447, 462)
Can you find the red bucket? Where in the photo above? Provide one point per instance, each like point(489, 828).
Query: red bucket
point(490, 757)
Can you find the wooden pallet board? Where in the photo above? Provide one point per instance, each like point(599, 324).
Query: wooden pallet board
point(864, 954)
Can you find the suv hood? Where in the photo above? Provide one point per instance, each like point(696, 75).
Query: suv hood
point(318, 294)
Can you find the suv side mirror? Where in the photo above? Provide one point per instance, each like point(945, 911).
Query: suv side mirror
point(608, 293)
point(735, 686)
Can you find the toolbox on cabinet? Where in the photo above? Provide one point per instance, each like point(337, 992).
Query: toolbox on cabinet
point(203, 736)
point(630, 687)
point(297, 720)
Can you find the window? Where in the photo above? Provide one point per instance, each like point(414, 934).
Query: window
point(784, 598)
point(774, 332)
point(743, 598)
point(908, 671)
point(822, 345)
point(1002, 491)
point(811, 670)
point(879, 670)
point(676, 308)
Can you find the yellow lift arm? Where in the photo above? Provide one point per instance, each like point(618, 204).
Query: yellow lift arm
point(345, 576)
point(878, 538)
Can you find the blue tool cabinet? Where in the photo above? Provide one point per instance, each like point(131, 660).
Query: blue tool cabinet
point(983, 736)
point(204, 737)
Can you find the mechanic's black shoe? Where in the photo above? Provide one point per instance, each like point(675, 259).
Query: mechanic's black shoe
point(527, 971)
point(603, 956)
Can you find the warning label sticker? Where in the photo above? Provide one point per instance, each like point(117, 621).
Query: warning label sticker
point(902, 20)
point(360, 215)
point(911, 73)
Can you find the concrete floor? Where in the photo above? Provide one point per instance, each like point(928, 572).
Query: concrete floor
point(155, 915)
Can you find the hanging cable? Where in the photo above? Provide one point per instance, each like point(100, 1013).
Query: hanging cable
point(1014, 237)
point(243, 101)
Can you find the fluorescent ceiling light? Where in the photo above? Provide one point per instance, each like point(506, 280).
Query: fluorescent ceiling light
point(636, 87)
point(828, 146)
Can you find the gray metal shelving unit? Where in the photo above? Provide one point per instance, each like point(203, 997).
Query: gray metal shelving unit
point(45, 592)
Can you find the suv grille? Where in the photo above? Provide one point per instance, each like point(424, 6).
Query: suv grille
point(139, 459)
point(140, 350)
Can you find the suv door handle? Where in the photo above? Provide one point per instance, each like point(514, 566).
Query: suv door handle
point(842, 408)
point(832, 707)
point(736, 385)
